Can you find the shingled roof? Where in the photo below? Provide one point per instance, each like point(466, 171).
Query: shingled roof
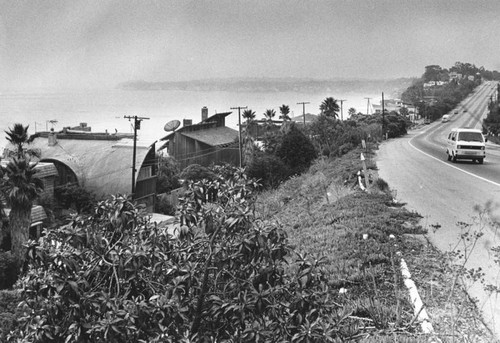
point(214, 136)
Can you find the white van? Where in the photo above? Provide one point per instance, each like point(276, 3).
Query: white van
point(445, 118)
point(467, 144)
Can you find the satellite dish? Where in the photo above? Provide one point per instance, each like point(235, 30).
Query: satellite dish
point(172, 125)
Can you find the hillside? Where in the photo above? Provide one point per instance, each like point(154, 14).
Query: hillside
point(391, 86)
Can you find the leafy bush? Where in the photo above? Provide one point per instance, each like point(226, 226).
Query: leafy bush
point(196, 172)
point(10, 312)
point(168, 175)
point(112, 277)
point(75, 196)
point(8, 270)
point(269, 169)
point(163, 205)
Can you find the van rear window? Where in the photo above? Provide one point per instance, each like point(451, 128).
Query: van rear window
point(470, 136)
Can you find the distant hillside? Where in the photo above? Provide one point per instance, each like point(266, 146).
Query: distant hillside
point(389, 86)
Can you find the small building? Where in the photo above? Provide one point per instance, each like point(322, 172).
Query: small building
point(206, 143)
point(101, 162)
point(309, 118)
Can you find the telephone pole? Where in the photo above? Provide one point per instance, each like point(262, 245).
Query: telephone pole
point(303, 110)
point(239, 108)
point(137, 126)
point(383, 116)
point(341, 109)
point(367, 105)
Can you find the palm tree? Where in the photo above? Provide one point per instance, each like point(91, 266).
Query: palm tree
point(329, 107)
point(284, 110)
point(248, 115)
point(18, 137)
point(20, 187)
point(351, 112)
point(269, 114)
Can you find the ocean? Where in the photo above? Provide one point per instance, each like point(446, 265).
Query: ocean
point(105, 109)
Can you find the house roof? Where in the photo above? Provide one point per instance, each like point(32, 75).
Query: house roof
point(300, 118)
point(102, 166)
point(200, 126)
point(214, 136)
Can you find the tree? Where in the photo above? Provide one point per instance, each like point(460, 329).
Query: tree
point(269, 114)
point(404, 111)
point(20, 187)
point(248, 115)
point(352, 112)
point(18, 137)
point(296, 150)
point(329, 107)
point(285, 110)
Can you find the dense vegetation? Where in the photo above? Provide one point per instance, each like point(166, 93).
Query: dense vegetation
point(439, 90)
point(491, 123)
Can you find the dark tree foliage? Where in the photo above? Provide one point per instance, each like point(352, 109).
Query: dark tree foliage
point(269, 169)
point(76, 197)
point(168, 175)
point(196, 172)
point(296, 150)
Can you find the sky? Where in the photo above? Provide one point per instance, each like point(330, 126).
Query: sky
point(60, 44)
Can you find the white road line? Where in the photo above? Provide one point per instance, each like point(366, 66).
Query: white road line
point(451, 166)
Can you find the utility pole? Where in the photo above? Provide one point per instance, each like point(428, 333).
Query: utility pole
point(341, 109)
point(383, 115)
point(303, 110)
point(239, 108)
point(367, 105)
point(137, 126)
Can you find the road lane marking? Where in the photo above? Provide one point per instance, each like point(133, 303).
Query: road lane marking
point(451, 166)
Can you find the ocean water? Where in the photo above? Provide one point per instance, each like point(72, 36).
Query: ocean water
point(105, 109)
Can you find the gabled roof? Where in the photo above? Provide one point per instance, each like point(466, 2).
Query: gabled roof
point(214, 136)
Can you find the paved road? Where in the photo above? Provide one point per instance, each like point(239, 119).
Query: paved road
point(447, 193)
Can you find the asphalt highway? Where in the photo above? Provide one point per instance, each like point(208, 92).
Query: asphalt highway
point(447, 193)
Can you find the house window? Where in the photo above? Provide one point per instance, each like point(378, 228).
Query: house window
point(145, 172)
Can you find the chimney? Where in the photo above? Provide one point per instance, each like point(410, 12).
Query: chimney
point(52, 137)
point(204, 113)
point(187, 122)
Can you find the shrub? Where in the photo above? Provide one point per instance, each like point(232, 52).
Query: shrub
point(10, 312)
point(8, 270)
point(196, 172)
point(269, 169)
point(113, 277)
point(163, 205)
point(168, 175)
point(75, 196)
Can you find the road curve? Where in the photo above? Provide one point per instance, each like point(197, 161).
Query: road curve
point(447, 193)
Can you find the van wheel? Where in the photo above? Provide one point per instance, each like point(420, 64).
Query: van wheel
point(481, 161)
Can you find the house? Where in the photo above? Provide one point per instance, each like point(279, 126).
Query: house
point(308, 118)
point(101, 162)
point(206, 143)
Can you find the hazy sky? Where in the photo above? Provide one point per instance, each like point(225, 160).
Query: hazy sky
point(70, 43)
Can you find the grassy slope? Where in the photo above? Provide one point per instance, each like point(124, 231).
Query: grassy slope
point(327, 216)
